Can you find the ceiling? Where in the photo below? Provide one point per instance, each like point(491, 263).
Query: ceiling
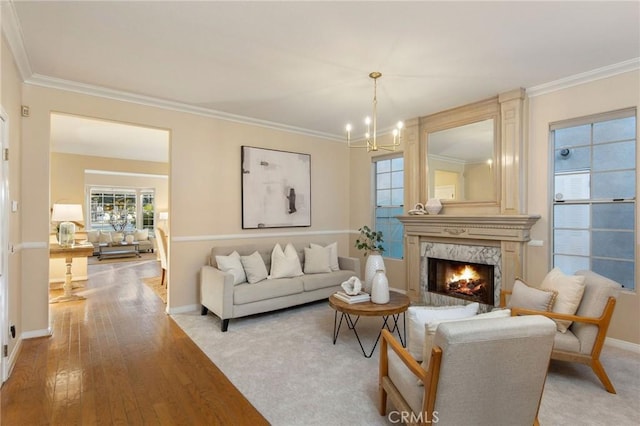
point(303, 66)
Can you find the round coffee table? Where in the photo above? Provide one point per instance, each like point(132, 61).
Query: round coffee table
point(398, 304)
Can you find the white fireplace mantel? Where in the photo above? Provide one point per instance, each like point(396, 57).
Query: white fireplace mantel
point(509, 232)
point(489, 227)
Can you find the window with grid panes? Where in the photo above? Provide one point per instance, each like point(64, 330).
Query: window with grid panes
point(103, 202)
point(594, 190)
point(389, 199)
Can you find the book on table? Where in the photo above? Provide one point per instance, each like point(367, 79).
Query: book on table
point(357, 298)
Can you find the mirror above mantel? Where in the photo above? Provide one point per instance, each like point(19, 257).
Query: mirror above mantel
point(460, 149)
point(460, 162)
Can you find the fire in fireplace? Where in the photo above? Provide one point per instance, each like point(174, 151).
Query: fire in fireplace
point(464, 280)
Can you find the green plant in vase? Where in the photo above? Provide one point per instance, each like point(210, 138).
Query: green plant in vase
point(370, 240)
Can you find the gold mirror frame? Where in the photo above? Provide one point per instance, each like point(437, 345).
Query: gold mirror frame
point(456, 117)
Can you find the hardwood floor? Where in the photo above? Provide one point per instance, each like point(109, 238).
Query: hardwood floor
point(117, 358)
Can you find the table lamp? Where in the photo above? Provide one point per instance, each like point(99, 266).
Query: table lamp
point(66, 214)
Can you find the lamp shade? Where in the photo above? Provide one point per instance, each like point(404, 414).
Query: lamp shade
point(67, 213)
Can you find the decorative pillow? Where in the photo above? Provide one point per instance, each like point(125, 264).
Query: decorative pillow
point(333, 254)
point(105, 237)
point(233, 265)
point(420, 315)
point(523, 296)
point(254, 267)
point(285, 264)
point(316, 260)
point(141, 234)
point(570, 289)
point(430, 329)
point(93, 236)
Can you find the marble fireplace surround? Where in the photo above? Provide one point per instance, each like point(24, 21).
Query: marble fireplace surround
point(494, 239)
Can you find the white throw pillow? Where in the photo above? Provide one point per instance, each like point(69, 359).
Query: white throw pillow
point(431, 327)
point(333, 254)
point(105, 237)
point(285, 264)
point(233, 265)
point(316, 260)
point(254, 267)
point(141, 235)
point(420, 315)
point(93, 236)
point(570, 289)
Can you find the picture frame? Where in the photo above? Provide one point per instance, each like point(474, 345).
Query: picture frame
point(276, 188)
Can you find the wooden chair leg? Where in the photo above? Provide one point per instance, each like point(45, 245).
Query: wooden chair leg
point(164, 271)
point(602, 375)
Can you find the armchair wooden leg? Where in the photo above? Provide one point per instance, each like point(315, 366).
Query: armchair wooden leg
point(602, 375)
point(384, 371)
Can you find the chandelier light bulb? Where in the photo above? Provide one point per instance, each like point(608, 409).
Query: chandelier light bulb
point(400, 125)
point(348, 127)
point(367, 120)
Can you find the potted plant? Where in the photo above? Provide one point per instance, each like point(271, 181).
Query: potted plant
point(370, 242)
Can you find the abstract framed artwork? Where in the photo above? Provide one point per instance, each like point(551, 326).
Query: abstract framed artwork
point(276, 188)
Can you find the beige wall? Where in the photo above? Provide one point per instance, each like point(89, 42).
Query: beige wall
point(11, 94)
point(69, 180)
point(621, 91)
point(204, 186)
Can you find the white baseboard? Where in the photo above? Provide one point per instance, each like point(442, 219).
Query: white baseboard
point(622, 344)
point(36, 333)
point(183, 309)
point(13, 356)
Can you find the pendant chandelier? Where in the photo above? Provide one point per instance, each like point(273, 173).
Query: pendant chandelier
point(370, 137)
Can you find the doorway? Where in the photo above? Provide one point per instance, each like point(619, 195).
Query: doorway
point(118, 160)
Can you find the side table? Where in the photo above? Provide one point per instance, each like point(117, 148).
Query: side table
point(68, 253)
point(398, 304)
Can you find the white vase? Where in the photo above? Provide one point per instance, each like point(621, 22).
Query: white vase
point(374, 262)
point(380, 288)
point(433, 206)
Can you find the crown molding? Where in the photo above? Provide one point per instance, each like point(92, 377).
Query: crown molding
point(13, 32)
point(118, 95)
point(585, 77)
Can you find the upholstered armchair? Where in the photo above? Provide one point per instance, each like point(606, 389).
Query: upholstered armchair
point(484, 372)
point(583, 340)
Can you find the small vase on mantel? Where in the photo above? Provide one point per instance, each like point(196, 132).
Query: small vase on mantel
point(380, 288)
point(374, 263)
point(433, 206)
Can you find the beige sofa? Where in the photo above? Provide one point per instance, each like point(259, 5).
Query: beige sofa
point(227, 300)
point(146, 241)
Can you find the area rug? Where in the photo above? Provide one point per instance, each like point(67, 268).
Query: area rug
point(154, 284)
point(285, 363)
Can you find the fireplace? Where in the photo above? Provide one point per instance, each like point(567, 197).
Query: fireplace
point(463, 280)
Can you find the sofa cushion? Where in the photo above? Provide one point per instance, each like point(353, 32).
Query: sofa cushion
point(233, 265)
point(526, 297)
point(570, 289)
point(93, 236)
point(285, 263)
point(243, 250)
point(316, 260)
point(254, 267)
point(333, 254)
point(420, 315)
point(141, 234)
point(566, 341)
point(316, 281)
point(105, 237)
point(266, 289)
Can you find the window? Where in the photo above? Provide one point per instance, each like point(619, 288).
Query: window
point(119, 209)
point(594, 187)
point(389, 198)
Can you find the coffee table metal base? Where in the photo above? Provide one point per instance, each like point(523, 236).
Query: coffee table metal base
point(385, 324)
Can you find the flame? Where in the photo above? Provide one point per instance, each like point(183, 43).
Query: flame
point(468, 273)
